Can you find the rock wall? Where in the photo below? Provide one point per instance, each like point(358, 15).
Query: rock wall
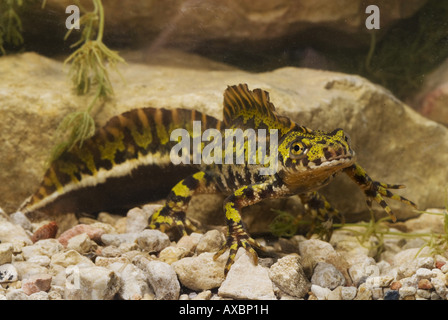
point(211, 23)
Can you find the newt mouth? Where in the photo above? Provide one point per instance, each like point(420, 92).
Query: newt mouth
point(340, 160)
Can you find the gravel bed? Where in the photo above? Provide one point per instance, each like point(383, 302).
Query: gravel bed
point(114, 257)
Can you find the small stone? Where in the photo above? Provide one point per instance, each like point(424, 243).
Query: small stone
point(408, 264)
point(377, 293)
point(201, 272)
point(93, 232)
point(162, 278)
point(152, 240)
point(8, 273)
point(379, 281)
point(40, 295)
point(348, 293)
point(10, 232)
point(128, 247)
point(396, 285)
point(409, 281)
point(110, 251)
point(211, 241)
point(426, 294)
point(172, 254)
point(36, 283)
point(26, 268)
point(423, 273)
point(407, 291)
point(319, 292)
point(40, 260)
point(424, 284)
point(137, 219)
point(320, 251)
point(435, 296)
point(392, 295)
point(134, 283)
point(56, 293)
point(444, 268)
point(246, 280)
point(6, 251)
point(16, 294)
point(118, 239)
point(364, 293)
point(108, 218)
point(70, 258)
point(204, 295)
point(440, 264)
point(287, 273)
point(327, 276)
point(439, 286)
point(47, 231)
point(91, 283)
point(101, 261)
point(335, 294)
point(438, 273)
point(189, 242)
point(360, 271)
point(21, 219)
point(120, 227)
point(47, 247)
point(81, 243)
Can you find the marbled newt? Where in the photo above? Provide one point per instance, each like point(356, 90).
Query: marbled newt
point(127, 163)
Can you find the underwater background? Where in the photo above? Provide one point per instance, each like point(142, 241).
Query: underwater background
point(377, 69)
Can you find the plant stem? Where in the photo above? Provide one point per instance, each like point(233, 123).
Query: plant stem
point(99, 7)
point(371, 51)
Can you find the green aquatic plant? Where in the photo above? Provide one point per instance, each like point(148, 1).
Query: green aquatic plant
point(287, 225)
point(88, 62)
point(10, 24)
point(438, 243)
point(88, 70)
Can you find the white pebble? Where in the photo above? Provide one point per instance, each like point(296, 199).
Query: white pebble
point(8, 273)
point(348, 293)
point(407, 291)
point(424, 293)
point(6, 250)
point(326, 275)
point(439, 286)
point(423, 273)
point(163, 280)
point(444, 268)
point(152, 240)
point(319, 292)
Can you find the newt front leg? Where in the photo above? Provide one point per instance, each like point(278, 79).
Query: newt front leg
point(375, 190)
point(236, 234)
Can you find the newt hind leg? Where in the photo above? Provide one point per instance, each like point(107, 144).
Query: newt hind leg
point(322, 214)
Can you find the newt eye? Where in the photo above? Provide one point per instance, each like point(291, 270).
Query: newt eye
point(297, 150)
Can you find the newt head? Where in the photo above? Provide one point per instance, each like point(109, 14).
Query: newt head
point(308, 160)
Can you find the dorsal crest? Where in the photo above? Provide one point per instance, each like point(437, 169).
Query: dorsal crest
point(244, 108)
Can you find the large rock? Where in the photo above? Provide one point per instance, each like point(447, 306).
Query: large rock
point(393, 143)
point(216, 25)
